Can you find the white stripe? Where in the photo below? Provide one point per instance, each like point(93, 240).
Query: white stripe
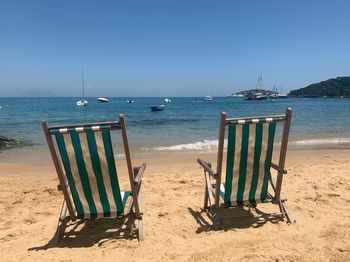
point(79, 129)
point(265, 138)
point(105, 171)
point(75, 174)
point(269, 120)
point(241, 122)
point(237, 160)
point(254, 121)
point(250, 162)
point(63, 130)
point(95, 128)
point(90, 172)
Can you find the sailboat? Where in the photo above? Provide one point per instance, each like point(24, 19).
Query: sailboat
point(208, 98)
point(83, 101)
point(256, 94)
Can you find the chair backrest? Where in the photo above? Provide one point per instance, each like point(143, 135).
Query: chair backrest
point(90, 177)
point(250, 145)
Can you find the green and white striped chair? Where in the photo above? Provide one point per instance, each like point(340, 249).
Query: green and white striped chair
point(250, 144)
point(84, 161)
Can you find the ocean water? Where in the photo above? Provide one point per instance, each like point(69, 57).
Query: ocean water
point(185, 124)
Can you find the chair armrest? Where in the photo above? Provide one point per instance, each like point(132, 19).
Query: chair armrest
point(276, 167)
point(207, 167)
point(138, 172)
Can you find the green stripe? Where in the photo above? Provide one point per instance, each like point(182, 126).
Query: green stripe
point(272, 128)
point(112, 170)
point(230, 162)
point(96, 165)
point(83, 173)
point(243, 164)
point(66, 164)
point(257, 154)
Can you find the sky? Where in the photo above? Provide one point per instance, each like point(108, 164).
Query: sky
point(170, 47)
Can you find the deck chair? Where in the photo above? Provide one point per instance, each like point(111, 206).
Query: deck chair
point(83, 157)
point(250, 144)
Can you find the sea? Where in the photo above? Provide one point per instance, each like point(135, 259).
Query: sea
point(187, 124)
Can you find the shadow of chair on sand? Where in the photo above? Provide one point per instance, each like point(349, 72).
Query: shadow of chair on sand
point(89, 232)
point(238, 217)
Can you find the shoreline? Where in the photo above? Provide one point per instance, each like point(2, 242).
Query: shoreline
point(40, 153)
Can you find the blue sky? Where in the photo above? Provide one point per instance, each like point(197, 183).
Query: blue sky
point(170, 48)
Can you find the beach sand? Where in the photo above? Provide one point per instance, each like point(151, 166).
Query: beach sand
point(317, 187)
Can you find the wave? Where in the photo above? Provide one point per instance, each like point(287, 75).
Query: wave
point(323, 141)
point(200, 145)
point(213, 144)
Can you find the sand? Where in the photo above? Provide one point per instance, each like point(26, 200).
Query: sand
point(317, 187)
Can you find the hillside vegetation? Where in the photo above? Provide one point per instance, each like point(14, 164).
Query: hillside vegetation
point(334, 87)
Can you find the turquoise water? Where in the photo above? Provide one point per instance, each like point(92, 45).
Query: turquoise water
point(185, 124)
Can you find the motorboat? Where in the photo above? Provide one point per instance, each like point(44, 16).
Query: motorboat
point(167, 100)
point(157, 107)
point(102, 100)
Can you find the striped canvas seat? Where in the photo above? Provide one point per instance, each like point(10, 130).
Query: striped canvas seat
point(88, 161)
point(249, 153)
point(250, 143)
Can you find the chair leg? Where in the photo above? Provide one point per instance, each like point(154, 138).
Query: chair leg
point(206, 198)
point(140, 229)
point(285, 212)
point(217, 218)
point(61, 227)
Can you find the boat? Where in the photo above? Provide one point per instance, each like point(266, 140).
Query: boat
point(208, 98)
point(130, 101)
point(102, 100)
point(167, 100)
point(83, 101)
point(256, 94)
point(157, 107)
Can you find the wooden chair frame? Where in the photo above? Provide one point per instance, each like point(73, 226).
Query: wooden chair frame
point(212, 195)
point(67, 213)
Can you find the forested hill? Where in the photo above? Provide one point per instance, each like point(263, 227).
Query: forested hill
point(334, 87)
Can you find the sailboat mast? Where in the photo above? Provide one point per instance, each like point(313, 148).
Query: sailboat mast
point(82, 80)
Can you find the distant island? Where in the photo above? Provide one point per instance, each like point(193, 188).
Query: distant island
point(334, 87)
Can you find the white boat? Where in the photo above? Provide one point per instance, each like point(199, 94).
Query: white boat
point(102, 100)
point(130, 101)
point(83, 101)
point(208, 98)
point(167, 100)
